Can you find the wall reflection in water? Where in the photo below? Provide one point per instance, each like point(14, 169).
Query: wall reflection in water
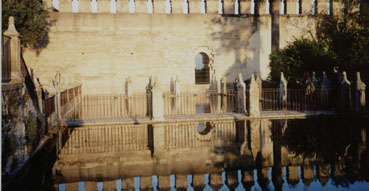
point(236, 155)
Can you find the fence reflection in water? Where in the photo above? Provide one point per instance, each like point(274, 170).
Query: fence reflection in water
point(185, 103)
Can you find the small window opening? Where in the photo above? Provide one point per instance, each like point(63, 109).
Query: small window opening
point(202, 69)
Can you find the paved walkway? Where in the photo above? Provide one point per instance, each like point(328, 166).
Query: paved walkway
point(197, 117)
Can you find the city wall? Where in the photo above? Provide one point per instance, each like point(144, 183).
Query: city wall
point(103, 51)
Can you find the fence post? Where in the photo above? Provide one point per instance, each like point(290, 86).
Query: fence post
point(345, 103)
point(283, 90)
point(149, 98)
point(58, 104)
point(324, 91)
point(157, 102)
point(359, 94)
point(260, 85)
point(254, 96)
point(219, 96)
point(223, 90)
point(241, 94)
point(15, 51)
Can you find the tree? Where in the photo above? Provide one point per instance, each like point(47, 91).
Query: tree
point(30, 20)
point(300, 56)
point(341, 40)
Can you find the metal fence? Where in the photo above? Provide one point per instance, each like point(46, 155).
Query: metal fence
point(297, 100)
point(5, 60)
point(185, 103)
point(199, 134)
point(49, 105)
point(110, 106)
point(106, 139)
point(69, 101)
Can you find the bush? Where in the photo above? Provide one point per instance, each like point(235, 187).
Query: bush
point(300, 56)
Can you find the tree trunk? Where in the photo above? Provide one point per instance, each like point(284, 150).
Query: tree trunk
point(274, 7)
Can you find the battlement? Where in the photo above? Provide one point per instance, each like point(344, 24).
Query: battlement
point(224, 7)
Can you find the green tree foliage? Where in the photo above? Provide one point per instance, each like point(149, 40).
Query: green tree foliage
point(342, 40)
point(30, 20)
point(300, 56)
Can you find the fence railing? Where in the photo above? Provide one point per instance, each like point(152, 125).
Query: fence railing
point(69, 101)
point(5, 60)
point(185, 103)
point(199, 134)
point(106, 139)
point(109, 106)
point(49, 105)
point(297, 100)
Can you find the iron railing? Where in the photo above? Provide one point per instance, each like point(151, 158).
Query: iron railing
point(109, 106)
point(297, 99)
point(186, 103)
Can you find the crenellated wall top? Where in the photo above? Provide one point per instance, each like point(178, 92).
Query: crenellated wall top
point(223, 7)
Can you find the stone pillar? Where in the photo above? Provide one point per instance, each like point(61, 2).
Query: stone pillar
point(131, 6)
point(248, 179)
point(293, 175)
point(283, 90)
point(359, 94)
point(345, 103)
point(158, 138)
point(128, 184)
point(220, 7)
point(314, 80)
point(72, 186)
point(157, 103)
point(232, 179)
point(146, 183)
point(307, 175)
point(325, 84)
point(168, 7)
point(181, 182)
point(164, 183)
point(109, 185)
point(198, 181)
point(150, 7)
point(255, 138)
point(215, 181)
point(254, 108)
point(185, 6)
point(91, 185)
point(241, 95)
point(15, 51)
point(323, 173)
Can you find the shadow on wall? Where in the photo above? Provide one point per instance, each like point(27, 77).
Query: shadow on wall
point(242, 40)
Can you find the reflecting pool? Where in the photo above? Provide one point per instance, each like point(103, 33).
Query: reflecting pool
point(301, 154)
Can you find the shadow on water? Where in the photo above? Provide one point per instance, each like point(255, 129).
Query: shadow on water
point(37, 172)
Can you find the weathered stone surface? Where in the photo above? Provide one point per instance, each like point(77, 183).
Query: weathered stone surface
point(241, 95)
point(359, 94)
point(283, 88)
point(102, 51)
point(254, 107)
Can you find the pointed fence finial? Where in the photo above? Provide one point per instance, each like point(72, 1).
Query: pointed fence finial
point(345, 80)
point(11, 31)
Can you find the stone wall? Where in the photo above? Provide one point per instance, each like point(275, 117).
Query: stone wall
point(22, 128)
point(102, 51)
